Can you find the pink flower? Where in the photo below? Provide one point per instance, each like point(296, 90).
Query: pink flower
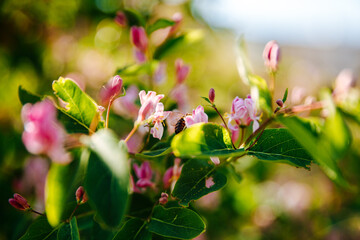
point(139, 55)
point(164, 198)
point(198, 115)
point(158, 118)
point(139, 38)
point(126, 104)
point(172, 174)
point(160, 73)
point(43, 134)
point(243, 112)
point(148, 103)
point(179, 94)
point(209, 182)
point(182, 71)
point(120, 19)
point(215, 160)
point(111, 90)
point(271, 55)
point(144, 174)
point(19, 202)
point(177, 18)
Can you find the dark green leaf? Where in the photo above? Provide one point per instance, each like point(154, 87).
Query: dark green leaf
point(39, 230)
point(280, 146)
point(260, 93)
point(202, 140)
point(285, 95)
point(176, 222)
point(160, 23)
point(107, 177)
point(167, 46)
point(197, 179)
point(59, 180)
point(71, 124)
point(134, 18)
point(155, 153)
point(140, 206)
point(79, 105)
point(137, 69)
point(69, 231)
point(134, 229)
point(27, 97)
point(206, 99)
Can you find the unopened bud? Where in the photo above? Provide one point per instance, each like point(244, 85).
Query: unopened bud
point(212, 95)
point(271, 55)
point(164, 198)
point(280, 103)
point(81, 196)
point(120, 19)
point(19, 202)
point(139, 38)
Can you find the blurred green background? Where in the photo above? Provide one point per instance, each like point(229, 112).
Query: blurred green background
point(42, 40)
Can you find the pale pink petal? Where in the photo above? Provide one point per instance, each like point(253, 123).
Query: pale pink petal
point(209, 182)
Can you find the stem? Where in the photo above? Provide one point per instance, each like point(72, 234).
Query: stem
point(272, 83)
point(32, 210)
point(147, 141)
point(242, 136)
point(262, 127)
point(226, 126)
point(132, 132)
point(73, 212)
point(108, 113)
point(256, 140)
point(302, 108)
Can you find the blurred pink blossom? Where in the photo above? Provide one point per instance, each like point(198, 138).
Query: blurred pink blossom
point(139, 55)
point(182, 71)
point(160, 73)
point(243, 112)
point(179, 94)
point(111, 90)
point(144, 174)
point(120, 19)
point(139, 38)
point(209, 182)
point(43, 134)
point(163, 198)
point(215, 160)
point(177, 18)
point(198, 116)
point(344, 82)
point(172, 174)
point(157, 119)
point(271, 55)
point(148, 102)
point(126, 104)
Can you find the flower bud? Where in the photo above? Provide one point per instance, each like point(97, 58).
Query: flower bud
point(81, 196)
point(111, 89)
point(164, 198)
point(280, 103)
point(182, 70)
point(139, 38)
point(271, 55)
point(120, 19)
point(19, 202)
point(211, 95)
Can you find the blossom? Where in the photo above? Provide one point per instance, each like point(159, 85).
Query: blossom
point(43, 134)
point(111, 89)
point(139, 56)
point(215, 160)
point(144, 174)
point(172, 174)
point(160, 73)
point(243, 112)
point(120, 19)
point(271, 55)
point(182, 71)
point(157, 119)
point(81, 196)
point(148, 102)
point(126, 105)
point(163, 198)
point(212, 95)
point(139, 38)
point(19, 202)
point(198, 115)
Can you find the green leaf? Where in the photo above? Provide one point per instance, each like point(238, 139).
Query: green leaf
point(39, 230)
point(80, 106)
point(140, 206)
point(27, 97)
point(195, 175)
point(69, 231)
point(319, 146)
point(176, 222)
point(134, 18)
point(280, 146)
point(137, 69)
point(154, 154)
point(201, 140)
point(260, 93)
point(59, 181)
point(107, 177)
point(160, 23)
point(134, 229)
point(285, 95)
point(206, 99)
point(71, 124)
point(167, 46)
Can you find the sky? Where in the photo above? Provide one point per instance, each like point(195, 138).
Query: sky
point(305, 23)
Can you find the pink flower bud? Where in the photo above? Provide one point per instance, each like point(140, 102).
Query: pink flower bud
point(164, 198)
point(19, 202)
point(120, 19)
point(144, 174)
point(139, 38)
point(111, 90)
point(81, 196)
point(177, 18)
point(182, 71)
point(43, 134)
point(280, 103)
point(211, 95)
point(271, 55)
